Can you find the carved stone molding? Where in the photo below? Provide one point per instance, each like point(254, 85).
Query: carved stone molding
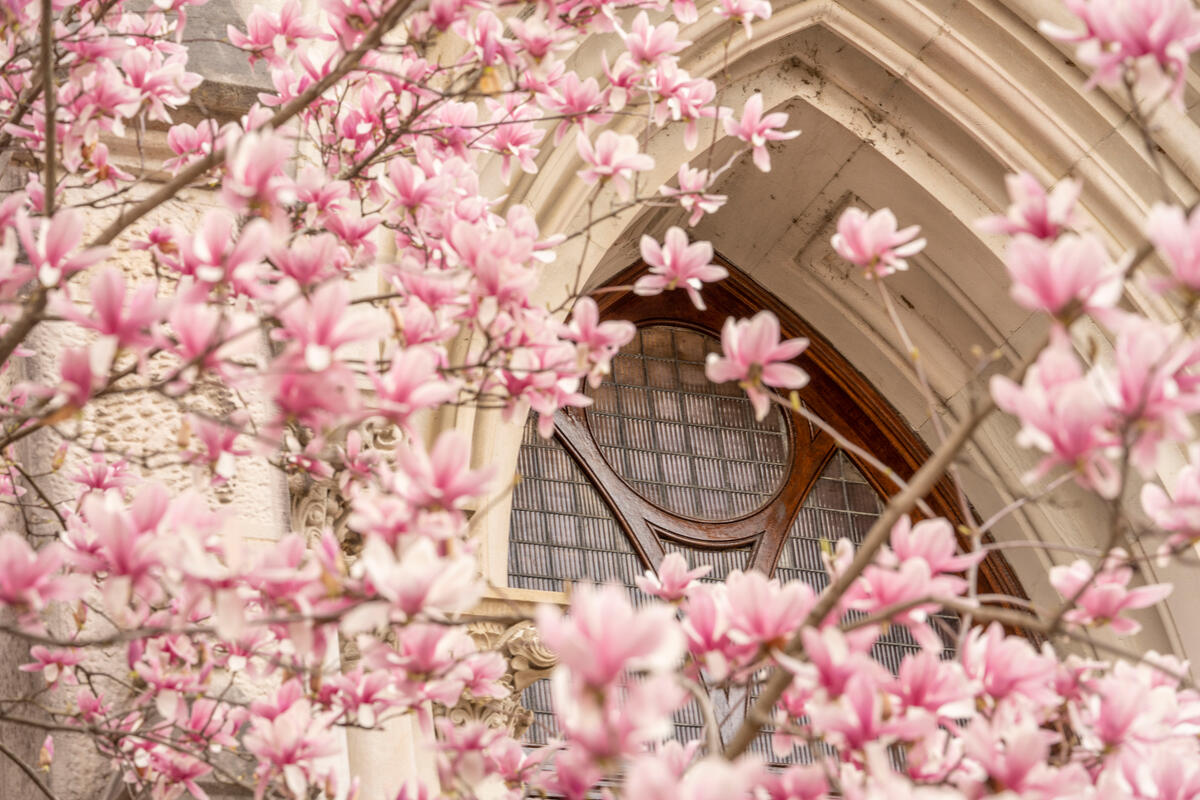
point(317, 505)
point(528, 660)
point(381, 435)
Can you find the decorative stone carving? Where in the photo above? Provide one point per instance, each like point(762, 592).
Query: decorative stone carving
point(528, 660)
point(316, 506)
point(381, 435)
point(319, 504)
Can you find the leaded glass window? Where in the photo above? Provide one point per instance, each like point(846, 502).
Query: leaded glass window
point(664, 461)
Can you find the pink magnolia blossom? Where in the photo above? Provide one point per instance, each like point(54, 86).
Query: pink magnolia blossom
point(1154, 38)
point(122, 543)
point(744, 11)
point(873, 243)
point(673, 578)
point(879, 588)
point(83, 371)
point(598, 341)
point(1177, 238)
point(676, 264)
point(515, 136)
point(1149, 385)
point(537, 37)
point(161, 79)
point(604, 635)
point(410, 384)
point(832, 660)
point(755, 358)
point(440, 479)
point(219, 438)
point(683, 99)
point(271, 35)
point(762, 611)
point(610, 725)
point(28, 578)
point(419, 581)
point(578, 102)
point(706, 627)
point(1012, 750)
point(756, 129)
point(312, 259)
point(1008, 668)
point(46, 754)
point(711, 778)
point(124, 317)
point(614, 157)
point(925, 681)
point(319, 326)
point(1062, 416)
point(544, 379)
point(256, 176)
point(188, 142)
point(857, 718)
point(623, 76)
point(649, 44)
point(1073, 272)
point(934, 542)
point(798, 782)
point(692, 195)
point(1178, 513)
point(1034, 211)
point(52, 253)
point(216, 252)
point(54, 664)
point(99, 474)
point(1100, 597)
point(290, 744)
point(104, 171)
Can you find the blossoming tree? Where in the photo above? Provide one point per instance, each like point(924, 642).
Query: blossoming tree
point(192, 661)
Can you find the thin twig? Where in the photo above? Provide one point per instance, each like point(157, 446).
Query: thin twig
point(31, 316)
point(799, 408)
point(712, 731)
point(29, 771)
point(50, 105)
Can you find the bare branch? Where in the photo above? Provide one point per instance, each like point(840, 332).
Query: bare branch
point(29, 771)
point(50, 104)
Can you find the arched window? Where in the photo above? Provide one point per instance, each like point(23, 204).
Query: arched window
point(664, 460)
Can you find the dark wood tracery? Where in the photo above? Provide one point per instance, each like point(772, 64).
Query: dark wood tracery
point(578, 517)
point(836, 392)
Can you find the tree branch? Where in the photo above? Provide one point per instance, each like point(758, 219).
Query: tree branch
point(22, 326)
point(921, 484)
point(29, 771)
point(50, 106)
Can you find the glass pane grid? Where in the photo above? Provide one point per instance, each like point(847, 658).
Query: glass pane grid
point(685, 444)
point(842, 505)
point(561, 529)
point(723, 562)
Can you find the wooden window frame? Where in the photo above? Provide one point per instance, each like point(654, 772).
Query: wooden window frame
point(837, 392)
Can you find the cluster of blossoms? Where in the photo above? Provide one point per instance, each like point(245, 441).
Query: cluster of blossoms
point(193, 654)
point(1131, 406)
point(260, 298)
point(1002, 719)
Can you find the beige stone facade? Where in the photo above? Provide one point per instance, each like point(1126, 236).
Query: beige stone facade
point(918, 106)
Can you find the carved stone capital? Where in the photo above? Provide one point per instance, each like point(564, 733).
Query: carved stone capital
point(528, 660)
point(317, 505)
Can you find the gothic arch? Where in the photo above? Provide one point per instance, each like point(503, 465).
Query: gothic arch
point(922, 107)
point(761, 529)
